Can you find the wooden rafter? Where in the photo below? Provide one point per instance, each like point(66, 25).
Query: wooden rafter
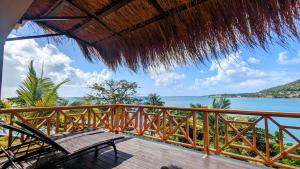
point(156, 5)
point(113, 6)
point(34, 36)
point(52, 18)
point(66, 34)
point(92, 16)
point(55, 5)
point(163, 15)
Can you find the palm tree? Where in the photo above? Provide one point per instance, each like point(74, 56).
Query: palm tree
point(221, 103)
point(35, 91)
point(195, 105)
point(154, 99)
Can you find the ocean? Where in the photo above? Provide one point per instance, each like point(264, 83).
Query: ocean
point(266, 104)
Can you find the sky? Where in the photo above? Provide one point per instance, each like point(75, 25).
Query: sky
point(248, 70)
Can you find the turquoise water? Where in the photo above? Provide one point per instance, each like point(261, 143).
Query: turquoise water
point(266, 104)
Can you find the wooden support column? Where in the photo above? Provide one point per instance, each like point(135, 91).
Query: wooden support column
point(10, 13)
point(1, 64)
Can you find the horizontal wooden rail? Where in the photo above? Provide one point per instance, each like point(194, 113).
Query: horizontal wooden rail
point(210, 130)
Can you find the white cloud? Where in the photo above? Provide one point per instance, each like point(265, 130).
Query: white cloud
point(283, 59)
point(57, 66)
point(165, 78)
point(253, 60)
point(234, 75)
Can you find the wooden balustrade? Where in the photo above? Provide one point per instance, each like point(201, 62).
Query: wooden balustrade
point(220, 131)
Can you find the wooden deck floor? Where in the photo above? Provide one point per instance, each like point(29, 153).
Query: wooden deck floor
point(140, 153)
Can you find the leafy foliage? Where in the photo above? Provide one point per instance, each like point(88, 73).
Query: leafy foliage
point(111, 92)
point(195, 105)
point(154, 99)
point(4, 103)
point(37, 91)
point(80, 102)
point(221, 103)
point(62, 102)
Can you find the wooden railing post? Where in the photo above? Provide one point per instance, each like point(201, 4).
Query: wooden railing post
point(10, 131)
point(94, 119)
point(164, 125)
point(267, 140)
point(117, 122)
point(123, 118)
point(57, 121)
point(194, 129)
point(141, 121)
point(48, 132)
point(89, 118)
point(65, 123)
point(205, 134)
point(82, 121)
point(216, 133)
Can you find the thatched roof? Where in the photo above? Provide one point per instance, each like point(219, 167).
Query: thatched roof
point(149, 33)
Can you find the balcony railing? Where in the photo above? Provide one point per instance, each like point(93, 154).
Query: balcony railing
point(238, 134)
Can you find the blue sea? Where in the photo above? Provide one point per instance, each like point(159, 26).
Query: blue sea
point(264, 104)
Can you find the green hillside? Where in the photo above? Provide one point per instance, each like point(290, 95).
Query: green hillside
point(289, 90)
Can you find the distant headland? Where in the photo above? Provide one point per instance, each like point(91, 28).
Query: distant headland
point(289, 90)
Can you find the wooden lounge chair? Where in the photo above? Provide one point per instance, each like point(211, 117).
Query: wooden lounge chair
point(64, 147)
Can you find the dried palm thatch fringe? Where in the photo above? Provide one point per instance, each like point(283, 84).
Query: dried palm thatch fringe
point(209, 30)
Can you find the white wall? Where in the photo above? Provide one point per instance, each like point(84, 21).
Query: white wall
point(10, 13)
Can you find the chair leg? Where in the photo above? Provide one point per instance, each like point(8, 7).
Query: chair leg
point(115, 148)
point(96, 151)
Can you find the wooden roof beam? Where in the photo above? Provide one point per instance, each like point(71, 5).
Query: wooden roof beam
point(113, 6)
point(52, 18)
point(54, 8)
point(93, 17)
point(156, 5)
point(34, 36)
point(161, 16)
point(66, 34)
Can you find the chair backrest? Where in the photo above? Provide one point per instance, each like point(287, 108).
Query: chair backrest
point(41, 136)
point(18, 130)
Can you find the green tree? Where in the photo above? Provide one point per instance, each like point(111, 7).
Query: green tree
point(37, 91)
point(154, 99)
point(111, 92)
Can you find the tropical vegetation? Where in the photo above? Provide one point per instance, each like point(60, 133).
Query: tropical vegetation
point(37, 91)
point(154, 100)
